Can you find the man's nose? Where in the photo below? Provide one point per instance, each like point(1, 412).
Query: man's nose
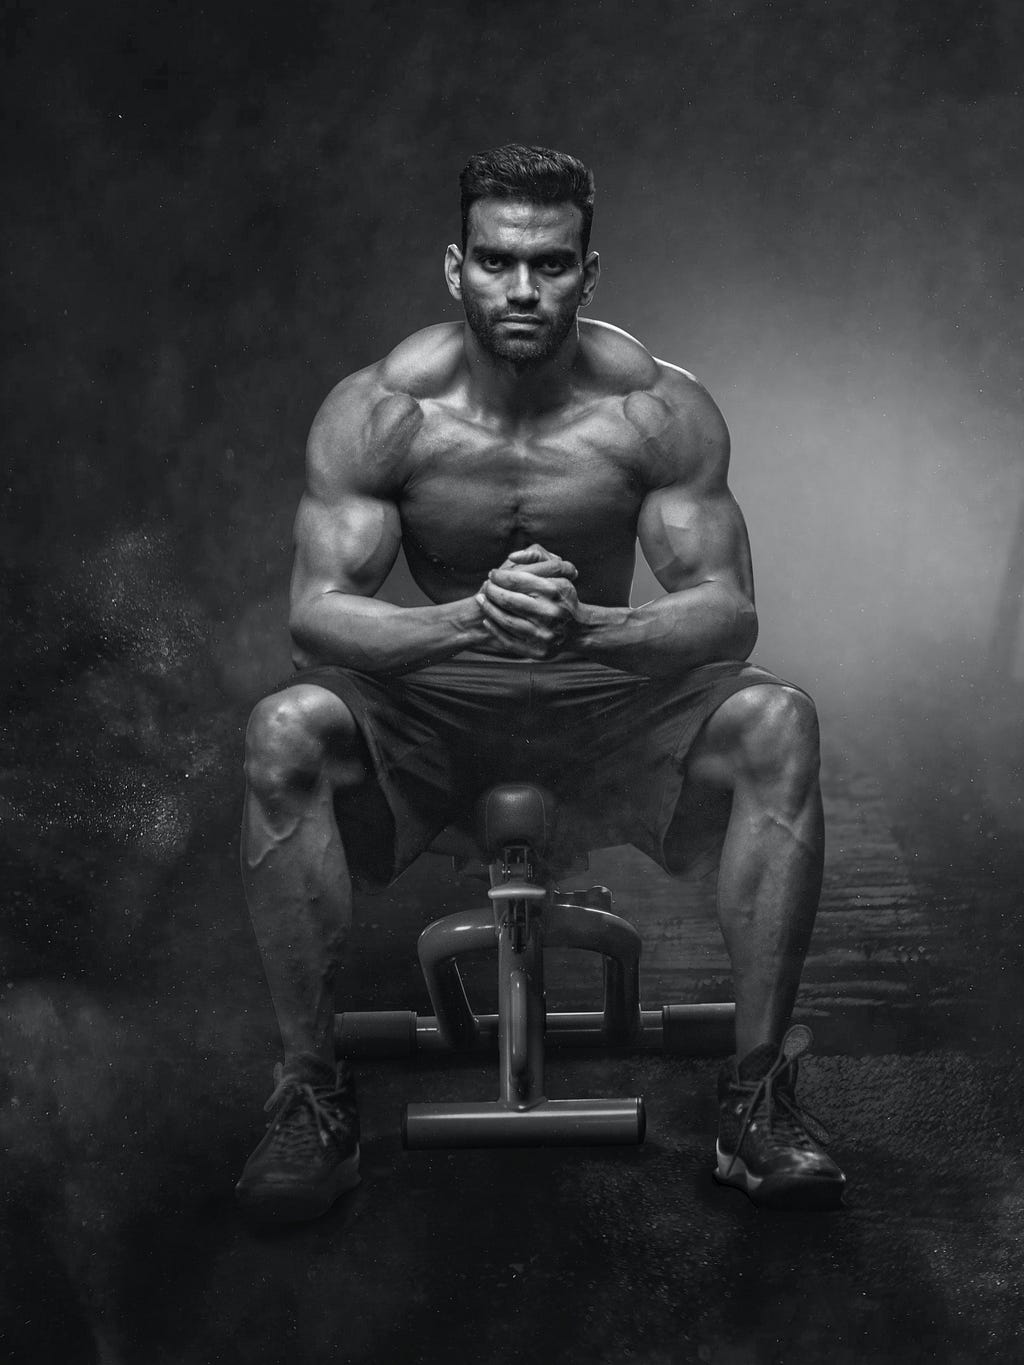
point(523, 286)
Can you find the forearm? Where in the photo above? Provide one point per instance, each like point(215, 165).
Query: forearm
point(378, 637)
point(672, 634)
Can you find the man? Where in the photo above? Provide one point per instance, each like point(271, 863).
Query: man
point(518, 458)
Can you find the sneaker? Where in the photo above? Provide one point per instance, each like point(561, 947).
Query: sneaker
point(310, 1153)
point(767, 1146)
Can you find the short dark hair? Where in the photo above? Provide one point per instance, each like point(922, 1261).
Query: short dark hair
point(536, 174)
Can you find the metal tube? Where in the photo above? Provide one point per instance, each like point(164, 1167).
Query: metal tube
point(552, 1123)
point(622, 1017)
point(597, 931)
point(438, 946)
point(694, 1030)
point(569, 925)
point(521, 1006)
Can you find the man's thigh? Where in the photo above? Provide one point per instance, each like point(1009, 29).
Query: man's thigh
point(432, 738)
point(626, 769)
point(754, 727)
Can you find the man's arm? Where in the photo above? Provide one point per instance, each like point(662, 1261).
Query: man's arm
point(697, 550)
point(347, 536)
point(692, 534)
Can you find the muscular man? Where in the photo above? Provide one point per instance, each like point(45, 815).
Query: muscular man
point(518, 458)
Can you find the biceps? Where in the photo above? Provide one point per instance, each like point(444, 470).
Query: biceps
point(348, 547)
point(688, 540)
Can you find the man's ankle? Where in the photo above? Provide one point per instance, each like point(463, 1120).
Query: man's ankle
point(311, 1068)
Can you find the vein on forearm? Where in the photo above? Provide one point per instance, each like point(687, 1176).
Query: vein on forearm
point(673, 633)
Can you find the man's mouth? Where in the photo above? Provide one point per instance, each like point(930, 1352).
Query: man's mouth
point(527, 319)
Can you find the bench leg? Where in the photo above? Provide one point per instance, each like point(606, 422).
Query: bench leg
point(522, 1116)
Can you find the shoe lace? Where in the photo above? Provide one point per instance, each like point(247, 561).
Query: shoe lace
point(786, 1123)
point(303, 1116)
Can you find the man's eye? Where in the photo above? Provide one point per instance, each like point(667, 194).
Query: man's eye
point(493, 262)
point(553, 267)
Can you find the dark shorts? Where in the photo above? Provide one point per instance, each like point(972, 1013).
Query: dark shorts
point(610, 745)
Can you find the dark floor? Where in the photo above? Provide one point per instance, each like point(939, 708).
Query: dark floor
point(131, 1114)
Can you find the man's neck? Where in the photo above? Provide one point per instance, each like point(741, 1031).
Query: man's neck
point(512, 390)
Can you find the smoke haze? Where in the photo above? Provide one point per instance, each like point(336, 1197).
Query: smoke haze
point(209, 220)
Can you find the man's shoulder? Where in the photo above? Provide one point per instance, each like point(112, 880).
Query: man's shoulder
point(379, 406)
point(425, 363)
point(616, 362)
point(665, 403)
point(418, 367)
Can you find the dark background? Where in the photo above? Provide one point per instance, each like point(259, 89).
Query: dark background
point(211, 214)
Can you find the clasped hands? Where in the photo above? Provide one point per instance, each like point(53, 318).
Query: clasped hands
point(529, 603)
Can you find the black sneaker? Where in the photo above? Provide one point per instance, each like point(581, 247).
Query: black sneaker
point(767, 1146)
point(310, 1154)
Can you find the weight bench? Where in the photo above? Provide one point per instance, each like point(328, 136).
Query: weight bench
point(515, 825)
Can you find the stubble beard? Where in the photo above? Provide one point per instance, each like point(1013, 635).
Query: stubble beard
point(523, 352)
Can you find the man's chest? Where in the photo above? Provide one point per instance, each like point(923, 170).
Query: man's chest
point(558, 480)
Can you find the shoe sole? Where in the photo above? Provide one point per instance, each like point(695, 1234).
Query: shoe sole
point(780, 1192)
point(292, 1204)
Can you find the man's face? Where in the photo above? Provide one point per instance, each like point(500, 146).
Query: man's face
point(521, 278)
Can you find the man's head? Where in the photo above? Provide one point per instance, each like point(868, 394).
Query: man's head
point(524, 267)
point(535, 175)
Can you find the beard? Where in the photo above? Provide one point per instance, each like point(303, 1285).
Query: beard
point(523, 351)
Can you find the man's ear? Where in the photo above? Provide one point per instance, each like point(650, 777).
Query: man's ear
point(591, 275)
point(453, 259)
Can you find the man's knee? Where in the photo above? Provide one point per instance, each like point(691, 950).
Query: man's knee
point(293, 734)
point(774, 733)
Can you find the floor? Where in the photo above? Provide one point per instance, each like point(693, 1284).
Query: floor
point(131, 1109)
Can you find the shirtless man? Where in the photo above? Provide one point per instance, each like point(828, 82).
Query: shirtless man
point(518, 458)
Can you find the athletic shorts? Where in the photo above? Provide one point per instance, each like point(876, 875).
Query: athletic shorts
point(611, 746)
